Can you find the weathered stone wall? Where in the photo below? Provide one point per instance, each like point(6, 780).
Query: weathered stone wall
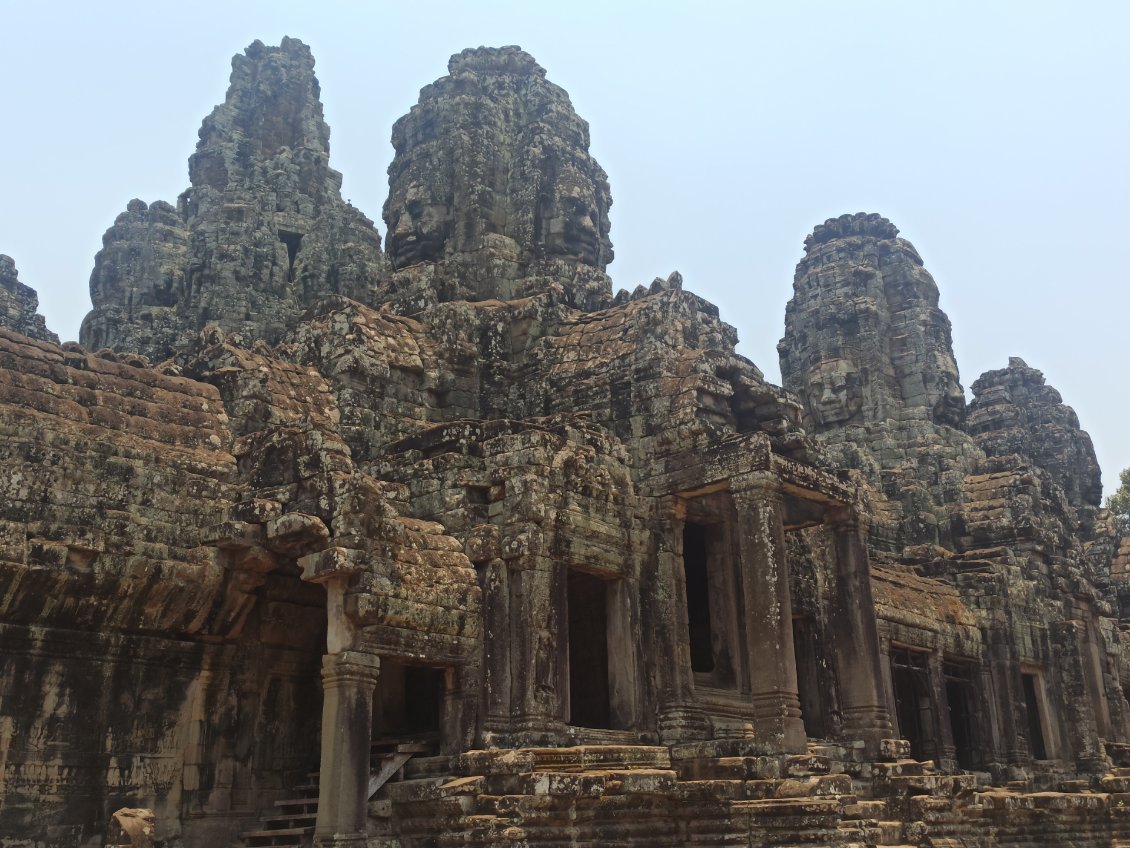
point(131, 671)
point(636, 593)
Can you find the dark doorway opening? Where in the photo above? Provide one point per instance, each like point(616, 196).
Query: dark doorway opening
point(961, 699)
point(1035, 727)
point(812, 698)
point(293, 242)
point(911, 678)
point(409, 702)
point(588, 650)
point(697, 574)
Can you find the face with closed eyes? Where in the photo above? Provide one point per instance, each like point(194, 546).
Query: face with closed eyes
point(834, 391)
point(572, 222)
point(419, 228)
point(949, 404)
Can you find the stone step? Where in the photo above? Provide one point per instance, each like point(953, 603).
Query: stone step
point(890, 833)
point(277, 838)
point(380, 748)
point(903, 768)
point(592, 757)
point(297, 802)
point(1116, 782)
point(306, 819)
point(419, 767)
point(805, 765)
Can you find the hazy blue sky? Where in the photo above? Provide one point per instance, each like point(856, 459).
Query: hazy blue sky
point(994, 134)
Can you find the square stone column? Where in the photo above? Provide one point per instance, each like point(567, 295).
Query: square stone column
point(768, 612)
point(349, 679)
point(679, 718)
point(538, 671)
point(855, 635)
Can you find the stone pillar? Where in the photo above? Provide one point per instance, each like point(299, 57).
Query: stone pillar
point(1010, 711)
point(538, 648)
point(349, 679)
point(768, 613)
point(679, 718)
point(944, 751)
point(855, 636)
point(495, 581)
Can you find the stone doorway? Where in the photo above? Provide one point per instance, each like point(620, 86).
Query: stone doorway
point(409, 702)
point(1036, 742)
point(710, 601)
point(963, 714)
point(813, 696)
point(600, 659)
point(914, 708)
point(588, 651)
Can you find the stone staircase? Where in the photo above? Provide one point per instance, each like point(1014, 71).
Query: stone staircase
point(290, 823)
point(718, 793)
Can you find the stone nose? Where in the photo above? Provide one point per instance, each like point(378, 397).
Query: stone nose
point(403, 225)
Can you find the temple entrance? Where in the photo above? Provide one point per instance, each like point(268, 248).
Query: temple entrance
point(914, 709)
point(960, 697)
point(812, 698)
point(588, 651)
point(710, 604)
point(699, 623)
point(1036, 742)
point(408, 702)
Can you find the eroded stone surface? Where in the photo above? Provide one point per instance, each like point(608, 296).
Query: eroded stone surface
point(18, 304)
point(571, 563)
point(493, 183)
point(260, 235)
point(869, 352)
point(1015, 412)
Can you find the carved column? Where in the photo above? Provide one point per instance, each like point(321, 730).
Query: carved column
point(538, 648)
point(1008, 733)
point(855, 635)
point(349, 679)
point(944, 751)
point(768, 613)
point(679, 718)
point(495, 581)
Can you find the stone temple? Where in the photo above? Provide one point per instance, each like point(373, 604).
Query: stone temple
point(314, 541)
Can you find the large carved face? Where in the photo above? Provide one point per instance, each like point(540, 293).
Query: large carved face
point(949, 405)
point(835, 392)
point(571, 221)
point(419, 228)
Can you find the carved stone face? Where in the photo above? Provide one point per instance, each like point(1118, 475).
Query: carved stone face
point(835, 392)
point(571, 224)
point(419, 229)
point(949, 407)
